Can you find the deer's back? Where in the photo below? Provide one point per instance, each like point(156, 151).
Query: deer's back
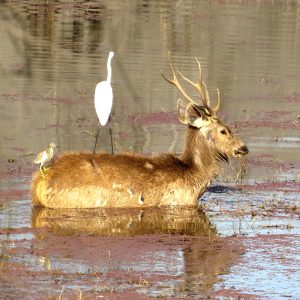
point(84, 180)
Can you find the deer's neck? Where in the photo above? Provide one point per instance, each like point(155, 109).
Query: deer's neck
point(200, 157)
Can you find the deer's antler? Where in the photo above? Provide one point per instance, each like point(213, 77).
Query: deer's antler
point(201, 88)
point(175, 82)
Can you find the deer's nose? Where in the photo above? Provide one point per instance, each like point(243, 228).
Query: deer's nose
point(242, 150)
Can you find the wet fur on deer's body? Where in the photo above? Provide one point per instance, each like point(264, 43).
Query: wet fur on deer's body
point(127, 179)
point(86, 180)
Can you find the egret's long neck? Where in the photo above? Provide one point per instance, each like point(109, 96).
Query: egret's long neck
point(109, 69)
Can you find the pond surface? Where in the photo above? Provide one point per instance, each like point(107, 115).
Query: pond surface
point(244, 241)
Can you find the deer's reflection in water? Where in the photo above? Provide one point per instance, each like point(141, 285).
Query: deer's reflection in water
point(176, 251)
point(124, 222)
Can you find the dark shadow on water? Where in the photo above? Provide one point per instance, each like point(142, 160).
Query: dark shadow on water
point(221, 189)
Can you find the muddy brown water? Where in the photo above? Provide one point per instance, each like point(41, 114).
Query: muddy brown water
point(243, 241)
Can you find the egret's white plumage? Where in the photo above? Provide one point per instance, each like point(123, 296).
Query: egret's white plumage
point(103, 100)
point(104, 95)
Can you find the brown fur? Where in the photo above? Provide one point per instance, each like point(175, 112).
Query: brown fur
point(85, 180)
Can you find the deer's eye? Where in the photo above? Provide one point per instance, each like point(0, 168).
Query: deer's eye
point(223, 131)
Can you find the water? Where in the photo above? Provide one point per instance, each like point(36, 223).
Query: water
point(52, 56)
point(55, 54)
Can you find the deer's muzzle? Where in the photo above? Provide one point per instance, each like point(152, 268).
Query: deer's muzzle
point(241, 151)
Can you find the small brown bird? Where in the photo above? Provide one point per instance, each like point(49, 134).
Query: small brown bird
point(44, 157)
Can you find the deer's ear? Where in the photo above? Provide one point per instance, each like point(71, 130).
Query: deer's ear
point(182, 111)
point(189, 114)
point(197, 119)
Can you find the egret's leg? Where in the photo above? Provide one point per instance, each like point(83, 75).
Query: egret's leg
point(41, 170)
point(96, 138)
point(111, 139)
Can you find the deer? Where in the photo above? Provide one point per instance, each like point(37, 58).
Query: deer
point(130, 180)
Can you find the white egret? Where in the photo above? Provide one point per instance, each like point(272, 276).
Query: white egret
point(103, 101)
point(44, 157)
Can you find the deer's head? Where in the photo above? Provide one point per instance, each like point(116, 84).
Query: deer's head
point(203, 117)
